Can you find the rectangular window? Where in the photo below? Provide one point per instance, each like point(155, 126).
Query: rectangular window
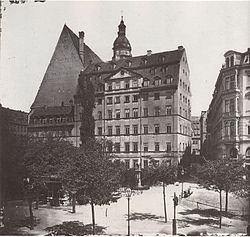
point(145, 147)
point(157, 96)
point(117, 114)
point(127, 164)
point(135, 164)
point(180, 110)
point(110, 147)
point(180, 96)
point(109, 114)
point(109, 130)
point(135, 112)
point(135, 83)
point(127, 128)
point(135, 129)
point(127, 113)
point(145, 96)
point(145, 129)
point(157, 111)
point(227, 106)
point(117, 100)
point(145, 164)
point(168, 147)
point(109, 100)
point(117, 85)
point(157, 128)
point(110, 87)
point(126, 84)
point(145, 112)
point(168, 128)
point(117, 147)
point(145, 83)
point(232, 105)
point(157, 146)
point(232, 82)
point(99, 101)
point(135, 98)
point(168, 109)
point(248, 130)
point(127, 149)
point(117, 130)
point(99, 114)
point(180, 128)
point(99, 131)
point(135, 146)
point(126, 99)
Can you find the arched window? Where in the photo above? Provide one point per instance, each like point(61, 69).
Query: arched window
point(145, 82)
point(157, 81)
point(232, 61)
point(233, 152)
point(248, 153)
point(232, 128)
point(227, 62)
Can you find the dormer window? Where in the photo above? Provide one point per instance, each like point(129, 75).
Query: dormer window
point(129, 63)
point(153, 71)
point(157, 82)
point(110, 87)
point(246, 59)
point(98, 67)
point(145, 61)
point(169, 79)
point(122, 72)
point(145, 83)
point(113, 65)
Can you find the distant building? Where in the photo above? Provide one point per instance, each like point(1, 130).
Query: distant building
point(13, 128)
point(228, 120)
point(196, 135)
point(53, 112)
point(203, 128)
point(142, 103)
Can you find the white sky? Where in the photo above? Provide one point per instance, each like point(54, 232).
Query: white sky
point(206, 29)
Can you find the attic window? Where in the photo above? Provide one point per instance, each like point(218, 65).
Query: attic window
point(98, 67)
point(113, 65)
point(145, 83)
point(129, 63)
point(246, 59)
point(169, 79)
point(145, 61)
point(122, 72)
point(162, 58)
point(157, 82)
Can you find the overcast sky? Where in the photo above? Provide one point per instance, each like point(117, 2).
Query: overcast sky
point(206, 29)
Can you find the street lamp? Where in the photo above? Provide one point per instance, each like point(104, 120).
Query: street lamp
point(182, 173)
point(128, 193)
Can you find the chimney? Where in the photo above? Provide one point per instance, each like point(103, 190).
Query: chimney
point(81, 45)
point(180, 47)
point(149, 52)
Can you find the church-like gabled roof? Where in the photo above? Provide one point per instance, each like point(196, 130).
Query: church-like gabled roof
point(59, 84)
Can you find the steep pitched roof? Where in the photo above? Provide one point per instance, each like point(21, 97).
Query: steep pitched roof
point(60, 81)
point(89, 56)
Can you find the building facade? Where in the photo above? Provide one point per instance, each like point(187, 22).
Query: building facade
point(228, 120)
point(203, 128)
point(196, 135)
point(142, 103)
point(53, 112)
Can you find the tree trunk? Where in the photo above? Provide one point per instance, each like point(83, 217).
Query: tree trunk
point(220, 209)
point(31, 214)
point(37, 200)
point(226, 204)
point(164, 202)
point(73, 203)
point(93, 216)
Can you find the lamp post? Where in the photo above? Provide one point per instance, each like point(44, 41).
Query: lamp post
point(174, 226)
point(182, 173)
point(128, 194)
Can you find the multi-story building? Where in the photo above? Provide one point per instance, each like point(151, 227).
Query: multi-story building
point(203, 128)
point(228, 120)
point(13, 128)
point(142, 103)
point(196, 135)
point(53, 112)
